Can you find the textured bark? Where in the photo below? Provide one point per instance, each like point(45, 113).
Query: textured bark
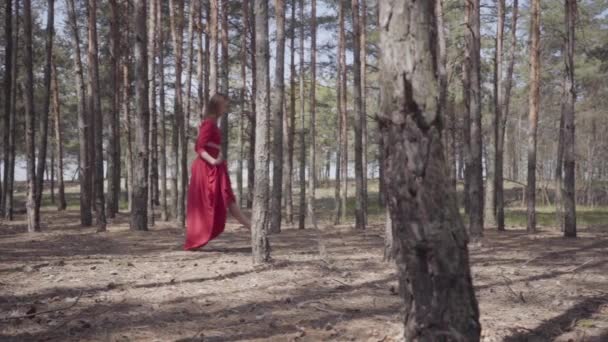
point(190, 65)
point(61, 203)
point(312, 164)
point(127, 112)
point(290, 121)
point(113, 153)
point(179, 142)
point(364, 137)
point(8, 197)
point(360, 202)
point(8, 83)
point(443, 81)
point(225, 76)
point(277, 119)
point(86, 217)
point(302, 209)
point(139, 215)
point(534, 103)
point(200, 63)
point(568, 115)
point(507, 103)
point(559, 163)
point(259, 240)
point(30, 150)
point(475, 189)
point(389, 239)
point(344, 108)
point(243, 95)
point(250, 29)
point(500, 117)
point(151, 106)
point(341, 122)
point(431, 249)
point(94, 106)
point(213, 43)
point(164, 208)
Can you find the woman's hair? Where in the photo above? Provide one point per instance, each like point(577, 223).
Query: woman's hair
point(214, 105)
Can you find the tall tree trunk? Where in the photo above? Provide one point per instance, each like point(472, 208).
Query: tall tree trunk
point(344, 108)
point(507, 102)
point(312, 176)
point(44, 115)
point(534, 99)
point(363, 46)
point(151, 106)
point(243, 94)
point(250, 29)
point(127, 114)
point(94, 105)
point(341, 122)
point(277, 119)
point(179, 148)
point(7, 202)
point(114, 115)
point(466, 117)
point(290, 120)
point(501, 115)
point(568, 115)
point(190, 64)
point(559, 163)
point(475, 173)
point(431, 250)
point(8, 83)
point(225, 74)
point(302, 212)
point(139, 215)
point(213, 42)
point(163, 129)
point(360, 206)
point(200, 61)
point(86, 217)
point(30, 202)
point(259, 240)
point(61, 203)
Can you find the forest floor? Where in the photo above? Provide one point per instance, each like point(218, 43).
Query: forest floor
point(72, 284)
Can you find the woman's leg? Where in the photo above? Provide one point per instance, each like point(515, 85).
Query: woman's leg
point(235, 211)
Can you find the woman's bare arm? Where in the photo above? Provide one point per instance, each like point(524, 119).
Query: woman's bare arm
point(209, 159)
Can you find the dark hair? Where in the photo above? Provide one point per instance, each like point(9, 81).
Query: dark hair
point(213, 107)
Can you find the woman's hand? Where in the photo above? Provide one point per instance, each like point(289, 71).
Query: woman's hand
point(219, 159)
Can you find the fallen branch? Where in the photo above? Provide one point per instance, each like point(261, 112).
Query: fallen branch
point(46, 311)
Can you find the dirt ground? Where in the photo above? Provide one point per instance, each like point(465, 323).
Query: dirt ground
point(78, 285)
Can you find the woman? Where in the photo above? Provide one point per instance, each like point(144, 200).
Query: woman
point(210, 195)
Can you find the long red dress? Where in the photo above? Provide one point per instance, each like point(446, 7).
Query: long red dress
point(209, 193)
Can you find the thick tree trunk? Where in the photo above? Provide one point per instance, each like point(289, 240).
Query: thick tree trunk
point(568, 115)
point(8, 83)
point(114, 115)
point(44, 115)
point(30, 149)
point(431, 250)
point(61, 203)
point(501, 116)
point(139, 215)
point(127, 114)
point(312, 176)
point(342, 147)
point(86, 217)
point(344, 108)
point(534, 99)
point(361, 202)
point(94, 106)
point(277, 119)
point(363, 29)
point(8, 197)
point(290, 121)
point(225, 76)
point(302, 211)
point(243, 95)
point(151, 106)
point(250, 24)
point(259, 240)
point(164, 213)
point(475, 174)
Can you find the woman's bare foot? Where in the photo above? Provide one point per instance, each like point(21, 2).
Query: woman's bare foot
point(235, 211)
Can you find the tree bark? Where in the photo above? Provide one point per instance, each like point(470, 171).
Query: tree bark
point(94, 106)
point(190, 65)
point(312, 176)
point(344, 108)
point(151, 106)
point(61, 203)
point(213, 42)
point(507, 100)
point(342, 129)
point(501, 113)
point(259, 240)
point(30, 202)
point(431, 250)
point(252, 120)
point(8, 83)
point(290, 121)
point(139, 215)
point(361, 203)
point(225, 76)
point(114, 115)
point(127, 110)
point(475, 175)
point(568, 115)
point(243, 94)
point(364, 147)
point(302, 211)
point(534, 103)
point(164, 216)
point(277, 119)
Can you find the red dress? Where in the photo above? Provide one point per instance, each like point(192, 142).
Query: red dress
point(209, 193)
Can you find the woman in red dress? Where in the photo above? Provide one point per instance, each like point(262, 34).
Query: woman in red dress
point(210, 195)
